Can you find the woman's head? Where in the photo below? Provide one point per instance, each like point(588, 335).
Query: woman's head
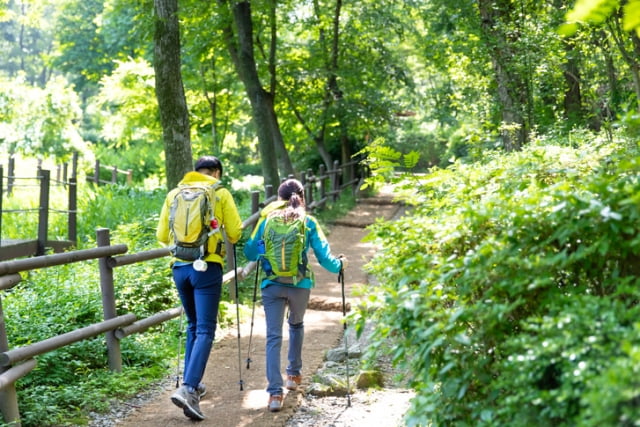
point(292, 191)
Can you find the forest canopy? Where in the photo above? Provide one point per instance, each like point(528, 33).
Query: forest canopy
point(448, 79)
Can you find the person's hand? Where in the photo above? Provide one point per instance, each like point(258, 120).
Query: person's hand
point(343, 259)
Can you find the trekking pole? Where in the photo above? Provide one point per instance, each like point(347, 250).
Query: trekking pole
point(253, 312)
point(346, 346)
point(235, 272)
point(179, 349)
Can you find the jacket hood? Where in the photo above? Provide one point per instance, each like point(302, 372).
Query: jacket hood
point(273, 206)
point(197, 177)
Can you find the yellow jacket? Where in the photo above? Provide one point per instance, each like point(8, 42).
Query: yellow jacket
point(226, 213)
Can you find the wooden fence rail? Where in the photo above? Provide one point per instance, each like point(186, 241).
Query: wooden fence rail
point(114, 174)
point(319, 190)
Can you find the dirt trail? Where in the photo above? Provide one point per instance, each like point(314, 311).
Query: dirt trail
point(225, 405)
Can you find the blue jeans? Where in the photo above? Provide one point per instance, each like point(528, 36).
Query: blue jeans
point(274, 300)
point(200, 295)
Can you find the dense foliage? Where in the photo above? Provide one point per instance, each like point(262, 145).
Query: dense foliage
point(511, 287)
point(446, 77)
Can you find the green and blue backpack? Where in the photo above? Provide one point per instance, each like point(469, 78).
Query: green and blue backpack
point(284, 240)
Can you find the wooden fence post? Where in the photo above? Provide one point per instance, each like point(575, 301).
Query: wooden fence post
point(350, 173)
point(96, 173)
point(255, 200)
point(11, 174)
point(1, 197)
point(108, 301)
point(8, 395)
point(74, 165)
point(310, 187)
point(72, 221)
point(114, 175)
point(335, 182)
point(323, 190)
point(43, 217)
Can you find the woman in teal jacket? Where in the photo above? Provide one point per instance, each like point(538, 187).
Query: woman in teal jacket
point(277, 293)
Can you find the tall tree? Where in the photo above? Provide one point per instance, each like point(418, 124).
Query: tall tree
point(628, 44)
point(27, 39)
point(93, 34)
point(241, 48)
point(172, 104)
point(497, 18)
point(343, 70)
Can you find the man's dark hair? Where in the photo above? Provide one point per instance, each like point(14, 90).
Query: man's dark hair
point(208, 162)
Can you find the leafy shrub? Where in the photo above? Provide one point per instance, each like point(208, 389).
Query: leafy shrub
point(513, 286)
point(112, 205)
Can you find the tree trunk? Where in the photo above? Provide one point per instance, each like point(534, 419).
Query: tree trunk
point(345, 146)
point(284, 162)
point(635, 67)
point(172, 104)
point(572, 94)
point(629, 57)
point(512, 89)
point(263, 112)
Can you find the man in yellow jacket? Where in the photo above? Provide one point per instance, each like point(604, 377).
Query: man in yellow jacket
point(200, 285)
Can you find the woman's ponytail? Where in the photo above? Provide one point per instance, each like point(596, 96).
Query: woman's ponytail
point(292, 191)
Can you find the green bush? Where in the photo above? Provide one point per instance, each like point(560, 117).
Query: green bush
point(511, 290)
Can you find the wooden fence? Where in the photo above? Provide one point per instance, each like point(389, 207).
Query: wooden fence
point(12, 248)
point(43, 181)
point(320, 190)
point(114, 171)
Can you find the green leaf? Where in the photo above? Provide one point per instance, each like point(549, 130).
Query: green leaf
point(592, 11)
point(411, 159)
point(631, 17)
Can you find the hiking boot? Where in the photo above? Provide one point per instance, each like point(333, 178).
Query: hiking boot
point(275, 402)
point(201, 390)
point(293, 381)
point(189, 402)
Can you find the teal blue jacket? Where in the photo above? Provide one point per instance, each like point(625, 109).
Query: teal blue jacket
point(314, 239)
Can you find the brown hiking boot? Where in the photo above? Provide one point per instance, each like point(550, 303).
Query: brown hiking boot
point(293, 381)
point(275, 402)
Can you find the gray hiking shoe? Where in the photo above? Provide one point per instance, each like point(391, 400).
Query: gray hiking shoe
point(189, 402)
point(201, 390)
point(275, 402)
